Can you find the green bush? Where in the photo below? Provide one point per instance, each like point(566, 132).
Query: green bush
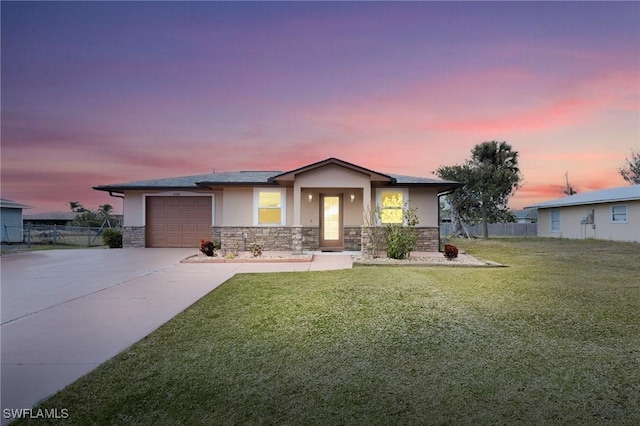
point(401, 238)
point(112, 238)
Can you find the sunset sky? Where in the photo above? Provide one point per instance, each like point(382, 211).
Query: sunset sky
point(107, 92)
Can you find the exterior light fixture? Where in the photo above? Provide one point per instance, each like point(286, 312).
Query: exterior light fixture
point(310, 197)
point(353, 197)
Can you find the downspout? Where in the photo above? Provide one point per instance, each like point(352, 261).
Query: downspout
point(111, 194)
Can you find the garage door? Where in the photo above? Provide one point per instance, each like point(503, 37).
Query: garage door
point(177, 221)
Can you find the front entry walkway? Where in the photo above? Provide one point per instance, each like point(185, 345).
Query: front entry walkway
point(64, 312)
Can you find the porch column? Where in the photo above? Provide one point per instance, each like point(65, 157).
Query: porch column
point(366, 199)
point(297, 193)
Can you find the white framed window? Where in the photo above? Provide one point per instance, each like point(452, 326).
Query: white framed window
point(555, 220)
point(269, 207)
point(392, 202)
point(618, 214)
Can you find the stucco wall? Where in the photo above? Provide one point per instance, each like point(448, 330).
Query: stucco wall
point(237, 208)
point(332, 176)
point(605, 229)
point(426, 200)
point(352, 211)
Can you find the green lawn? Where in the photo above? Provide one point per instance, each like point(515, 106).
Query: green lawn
point(554, 338)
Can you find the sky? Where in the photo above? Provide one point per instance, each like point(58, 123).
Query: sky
point(96, 93)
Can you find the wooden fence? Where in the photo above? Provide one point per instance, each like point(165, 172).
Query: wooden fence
point(496, 229)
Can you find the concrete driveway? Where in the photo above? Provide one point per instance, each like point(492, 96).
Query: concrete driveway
point(64, 312)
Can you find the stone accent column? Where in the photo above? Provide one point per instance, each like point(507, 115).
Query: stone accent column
point(133, 236)
point(296, 239)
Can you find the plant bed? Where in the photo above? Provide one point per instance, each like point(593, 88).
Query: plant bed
point(247, 257)
point(426, 259)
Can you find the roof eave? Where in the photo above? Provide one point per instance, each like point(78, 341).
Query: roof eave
point(582, 203)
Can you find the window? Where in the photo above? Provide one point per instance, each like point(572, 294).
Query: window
point(619, 214)
point(555, 220)
point(269, 207)
point(392, 204)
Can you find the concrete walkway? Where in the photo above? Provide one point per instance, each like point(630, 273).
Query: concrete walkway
point(64, 312)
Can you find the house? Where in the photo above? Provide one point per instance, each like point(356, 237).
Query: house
point(526, 216)
point(50, 218)
point(11, 220)
point(319, 206)
point(608, 214)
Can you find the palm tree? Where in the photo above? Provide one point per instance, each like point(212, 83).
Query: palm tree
point(497, 176)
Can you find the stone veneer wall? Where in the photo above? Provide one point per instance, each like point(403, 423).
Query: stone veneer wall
point(216, 233)
point(133, 236)
point(427, 240)
point(311, 238)
point(277, 238)
point(352, 238)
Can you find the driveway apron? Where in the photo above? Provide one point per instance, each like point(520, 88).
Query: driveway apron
point(65, 312)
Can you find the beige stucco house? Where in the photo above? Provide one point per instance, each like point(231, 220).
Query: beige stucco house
point(315, 207)
point(609, 214)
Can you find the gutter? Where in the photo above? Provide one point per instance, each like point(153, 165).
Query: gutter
point(111, 194)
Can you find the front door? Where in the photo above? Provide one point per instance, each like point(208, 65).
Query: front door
point(331, 235)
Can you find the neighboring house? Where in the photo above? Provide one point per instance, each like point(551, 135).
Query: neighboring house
point(11, 220)
point(316, 207)
point(609, 214)
point(50, 218)
point(526, 215)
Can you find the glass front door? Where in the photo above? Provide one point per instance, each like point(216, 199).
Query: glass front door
point(331, 221)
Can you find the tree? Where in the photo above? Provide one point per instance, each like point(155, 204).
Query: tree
point(86, 217)
point(569, 189)
point(490, 177)
point(461, 199)
point(630, 172)
point(76, 207)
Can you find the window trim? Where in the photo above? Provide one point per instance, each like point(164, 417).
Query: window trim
point(559, 211)
point(405, 200)
point(626, 214)
point(283, 206)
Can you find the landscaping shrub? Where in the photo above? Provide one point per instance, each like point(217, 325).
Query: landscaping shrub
point(112, 238)
point(207, 247)
point(255, 249)
point(401, 238)
point(450, 251)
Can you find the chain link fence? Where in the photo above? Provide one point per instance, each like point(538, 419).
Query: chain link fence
point(54, 235)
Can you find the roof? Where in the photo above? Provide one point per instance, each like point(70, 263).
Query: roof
point(10, 204)
point(194, 181)
point(526, 214)
point(612, 195)
point(51, 216)
point(267, 178)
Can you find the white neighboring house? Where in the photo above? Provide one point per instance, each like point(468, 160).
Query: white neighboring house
point(608, 214)
point(11, 220)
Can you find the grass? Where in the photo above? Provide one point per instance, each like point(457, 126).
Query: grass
point(554, 338)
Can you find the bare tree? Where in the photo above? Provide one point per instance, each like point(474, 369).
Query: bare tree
point(630, 172)
point(569, 189)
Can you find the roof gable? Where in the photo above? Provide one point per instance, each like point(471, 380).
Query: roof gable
point(373, 176)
